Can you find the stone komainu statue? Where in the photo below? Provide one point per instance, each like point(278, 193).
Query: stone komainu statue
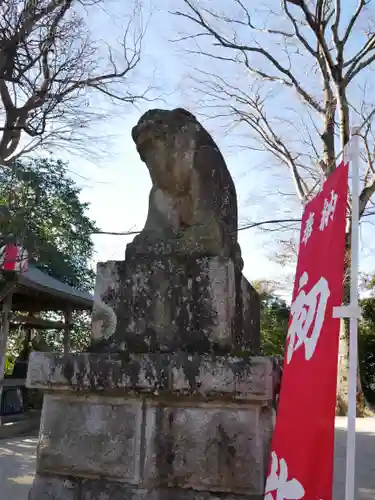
point(172, 405)
point(193, 202)
point(181, 284)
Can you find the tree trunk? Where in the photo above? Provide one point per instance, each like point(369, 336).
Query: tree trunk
point(343, 358)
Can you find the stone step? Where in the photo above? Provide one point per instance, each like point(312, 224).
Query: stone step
point(17, 425)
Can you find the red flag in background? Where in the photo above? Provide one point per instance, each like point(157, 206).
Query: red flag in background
point(13, 258)
point(301, 463)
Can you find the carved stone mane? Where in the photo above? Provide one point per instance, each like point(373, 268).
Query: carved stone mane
point(193, 199)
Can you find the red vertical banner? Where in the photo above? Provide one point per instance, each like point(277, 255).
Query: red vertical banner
point(301, 464)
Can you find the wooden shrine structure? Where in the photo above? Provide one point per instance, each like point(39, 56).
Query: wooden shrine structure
point(23, 296)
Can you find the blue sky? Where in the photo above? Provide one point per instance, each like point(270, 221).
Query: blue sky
point(117, 184)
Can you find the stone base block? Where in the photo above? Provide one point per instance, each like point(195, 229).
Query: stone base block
point(48, 487)
point(110, 431)
point(91, 436)
point(165, 304)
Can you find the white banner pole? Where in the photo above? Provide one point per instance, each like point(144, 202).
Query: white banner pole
point(353, 341)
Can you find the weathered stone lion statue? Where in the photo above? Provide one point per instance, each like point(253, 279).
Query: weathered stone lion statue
point(181, 284)
point(193, 202)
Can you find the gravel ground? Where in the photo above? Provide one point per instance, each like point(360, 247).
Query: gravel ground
point(17, 463)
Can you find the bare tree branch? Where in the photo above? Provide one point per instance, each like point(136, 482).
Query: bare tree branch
point(309, 24)
point(244, 50)
point(51, 68)
point(242, 228)
point(353, 20)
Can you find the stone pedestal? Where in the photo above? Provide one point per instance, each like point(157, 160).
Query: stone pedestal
point(171, 402)
point(152, 426)
point(164, 303)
